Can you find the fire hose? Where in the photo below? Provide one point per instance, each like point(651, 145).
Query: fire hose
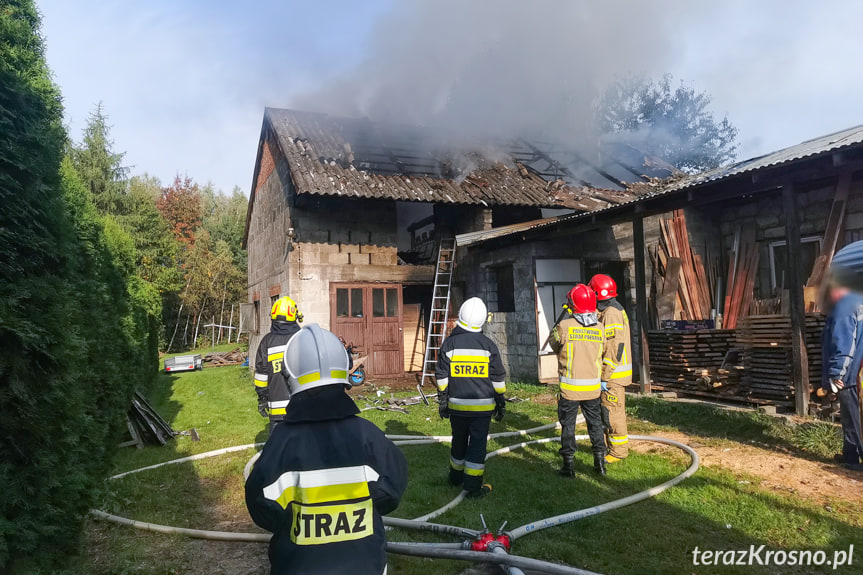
point(485, 547)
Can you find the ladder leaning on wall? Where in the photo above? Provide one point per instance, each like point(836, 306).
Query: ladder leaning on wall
point(439, 311)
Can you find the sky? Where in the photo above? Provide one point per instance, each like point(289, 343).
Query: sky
point(185, 83)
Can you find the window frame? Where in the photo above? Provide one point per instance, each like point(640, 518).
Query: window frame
point(784, 243)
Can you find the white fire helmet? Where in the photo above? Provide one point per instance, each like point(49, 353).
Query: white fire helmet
point(472, 314)
point(315, 357)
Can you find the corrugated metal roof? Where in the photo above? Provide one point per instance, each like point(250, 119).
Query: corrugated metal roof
point(818, 146)
point(351, 157)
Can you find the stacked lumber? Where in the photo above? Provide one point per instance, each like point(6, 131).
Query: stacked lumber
point(742, 271)
point(766, 342)
point(219, 359)
point(693, 360)
point(683, 282)
point(145, 425)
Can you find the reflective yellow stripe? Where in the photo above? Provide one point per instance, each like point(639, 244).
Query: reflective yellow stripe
point(499, 386)
point(323, 493)
point(442, 384)
point(309, 378)
point(570, 387)
point(460, 407)
point(607, 361)
point(259, 383)
point(470, 358)
point(273, 356)
point(277, 411)
point(617, 325)
point(618, 439)
point(473, 472)
point(457, 464)
point(339, 374)
point(621, 374)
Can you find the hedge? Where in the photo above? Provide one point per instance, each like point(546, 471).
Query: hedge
point(78, 329)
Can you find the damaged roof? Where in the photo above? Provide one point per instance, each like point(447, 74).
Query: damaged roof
point(356, 158)
point(653, 188)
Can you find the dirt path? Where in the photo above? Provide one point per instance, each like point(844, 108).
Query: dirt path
point(778, 471)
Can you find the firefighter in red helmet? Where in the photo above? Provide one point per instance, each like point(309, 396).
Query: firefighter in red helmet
point(616, 366)
point(579, 341)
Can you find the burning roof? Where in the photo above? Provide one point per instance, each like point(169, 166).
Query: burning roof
point(356, 158)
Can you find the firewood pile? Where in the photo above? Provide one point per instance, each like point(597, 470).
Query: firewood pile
point(766, 342)
point(700, 360)
point(220, 359)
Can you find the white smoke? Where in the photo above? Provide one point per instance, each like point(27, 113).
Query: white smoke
point(506, 68)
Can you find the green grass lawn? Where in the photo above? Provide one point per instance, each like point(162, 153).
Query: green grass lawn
point(715, 509)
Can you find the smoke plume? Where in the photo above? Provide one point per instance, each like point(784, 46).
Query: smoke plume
point(504, 68)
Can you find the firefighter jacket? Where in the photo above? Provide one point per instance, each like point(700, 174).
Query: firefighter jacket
point(579, 342)
point(617, 363)
point(842, 342)
point(470, 372)
point(324, 479)
point(271, 381)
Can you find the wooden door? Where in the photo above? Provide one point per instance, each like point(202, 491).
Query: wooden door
point(369, 316)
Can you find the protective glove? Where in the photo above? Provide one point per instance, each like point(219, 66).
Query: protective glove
point(263, 401)
point(443, 410)
point(603, 385)
point(443, 404)
point(500, 407)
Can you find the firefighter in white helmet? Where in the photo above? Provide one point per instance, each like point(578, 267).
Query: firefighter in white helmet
point(271, 384)
point(471, 383)
point(325, 476)
point(579, 340)
point(616, 366)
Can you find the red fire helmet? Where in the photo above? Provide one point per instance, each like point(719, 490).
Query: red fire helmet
point(582, 299)
point(604, 287)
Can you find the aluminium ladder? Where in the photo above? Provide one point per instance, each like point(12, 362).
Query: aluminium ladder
point(439, 310)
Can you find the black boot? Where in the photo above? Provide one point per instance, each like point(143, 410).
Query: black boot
point(456, 476)
point(599, 463)
point(566, 469)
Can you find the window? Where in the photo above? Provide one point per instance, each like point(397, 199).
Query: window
point(357, 302)
point(504, 289)
point(378, 302)
point(342, 305)
point(349, 302)
point(810, 249)
point(392, 302)
point(257, 325)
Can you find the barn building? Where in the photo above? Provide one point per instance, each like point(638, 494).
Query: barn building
point(345, 215)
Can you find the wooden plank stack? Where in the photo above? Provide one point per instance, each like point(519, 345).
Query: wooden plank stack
point(742, 272)
point(220, 359)
point(145, 425)
point(766, 342)
point(683, 282)
point(693, 360)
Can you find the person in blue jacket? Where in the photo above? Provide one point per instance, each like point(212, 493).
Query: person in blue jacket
point(842, 347)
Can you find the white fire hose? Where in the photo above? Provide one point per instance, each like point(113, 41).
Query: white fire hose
point(496, 553)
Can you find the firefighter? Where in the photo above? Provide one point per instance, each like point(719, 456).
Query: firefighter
point(270, 380)
point(470, 381)
point(579, 341)
point(616, 366)
point(325, 476)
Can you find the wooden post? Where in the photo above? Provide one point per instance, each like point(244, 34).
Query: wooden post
point(641, 301)
point(799, 359)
